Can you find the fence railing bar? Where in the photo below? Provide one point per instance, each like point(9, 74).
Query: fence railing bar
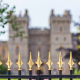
point(43, 76)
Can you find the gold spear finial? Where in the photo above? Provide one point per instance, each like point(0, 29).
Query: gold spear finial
point(79, 62)
point(78, 46)
point(49, 63)
point(60, 63)
point(30, 63)
point(79, 29)
point(38, 62)
point(19, 63)
point(79, 37)
point(0, 62)
point(71, 63)
point(9, 63)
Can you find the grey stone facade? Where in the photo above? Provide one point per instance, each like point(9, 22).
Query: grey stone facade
point(58, 36)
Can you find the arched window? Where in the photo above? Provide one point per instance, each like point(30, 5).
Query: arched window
point(3, 52)
point(57, 38)
point(13, 38)
point(21, 39)
point(17, 50)
point(64, 38)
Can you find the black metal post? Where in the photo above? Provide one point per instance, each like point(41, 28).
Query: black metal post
point(70, 74)
point(60, 73)
point(38, 75)
point(19, 73)
point(9, 74)
point(38, 72)
point(49, 74)
point(30, 74)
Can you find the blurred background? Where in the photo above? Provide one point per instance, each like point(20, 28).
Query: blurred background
point(40, 25)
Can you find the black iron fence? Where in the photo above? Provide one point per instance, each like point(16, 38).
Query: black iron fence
point(38, 62)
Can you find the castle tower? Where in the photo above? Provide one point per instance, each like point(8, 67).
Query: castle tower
point(19, 44)
point(60, 38)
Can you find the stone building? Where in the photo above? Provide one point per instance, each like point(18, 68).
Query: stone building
point(54, 40)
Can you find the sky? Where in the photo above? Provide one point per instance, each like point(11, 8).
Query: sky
point(39, 12)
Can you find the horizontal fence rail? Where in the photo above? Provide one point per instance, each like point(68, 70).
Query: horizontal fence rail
point(38, 62)
point(42, 76)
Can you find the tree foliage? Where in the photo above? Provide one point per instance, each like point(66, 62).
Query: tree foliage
point(3, 69)
point(75, 52)
point(75, 55)
point(6, 17)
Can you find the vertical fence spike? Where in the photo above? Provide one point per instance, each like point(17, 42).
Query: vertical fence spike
point(49, 63)
point(60, 62)
point(19, 63)
point(79, 62)
point(9, 63)
point(0, 62)
point(71, 63)
point(38, 62)
point(30, 63)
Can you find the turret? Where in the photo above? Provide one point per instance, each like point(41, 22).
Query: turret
point(59, 36)
point(19, 44)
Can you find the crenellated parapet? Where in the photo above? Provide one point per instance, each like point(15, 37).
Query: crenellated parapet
point(39, 31)
point(21, 19)
point(66, 18)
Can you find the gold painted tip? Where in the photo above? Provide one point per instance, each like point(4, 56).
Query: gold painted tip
point(8, 56)
point(0, 62)
point(79, 62)
point(38, 54)
point(30, 63)
point(19, 55)
point(60, 58)
point(8, 53)
point(60, 53)
point(9, 63)
point(70, 55)
point(71, 63)
point(70, 52)
point(49, 63)
point(38, 62)
point(79, 37)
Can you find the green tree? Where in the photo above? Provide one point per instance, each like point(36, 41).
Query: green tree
point(6, 17)
point(3, 69)
point(75, 53)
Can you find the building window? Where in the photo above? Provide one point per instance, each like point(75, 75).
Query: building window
point(3, 52)
point(64, 38)
point(60, 29)
point(21, 39)
point(13, 38)
point(57, 38)
point(17, 50)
